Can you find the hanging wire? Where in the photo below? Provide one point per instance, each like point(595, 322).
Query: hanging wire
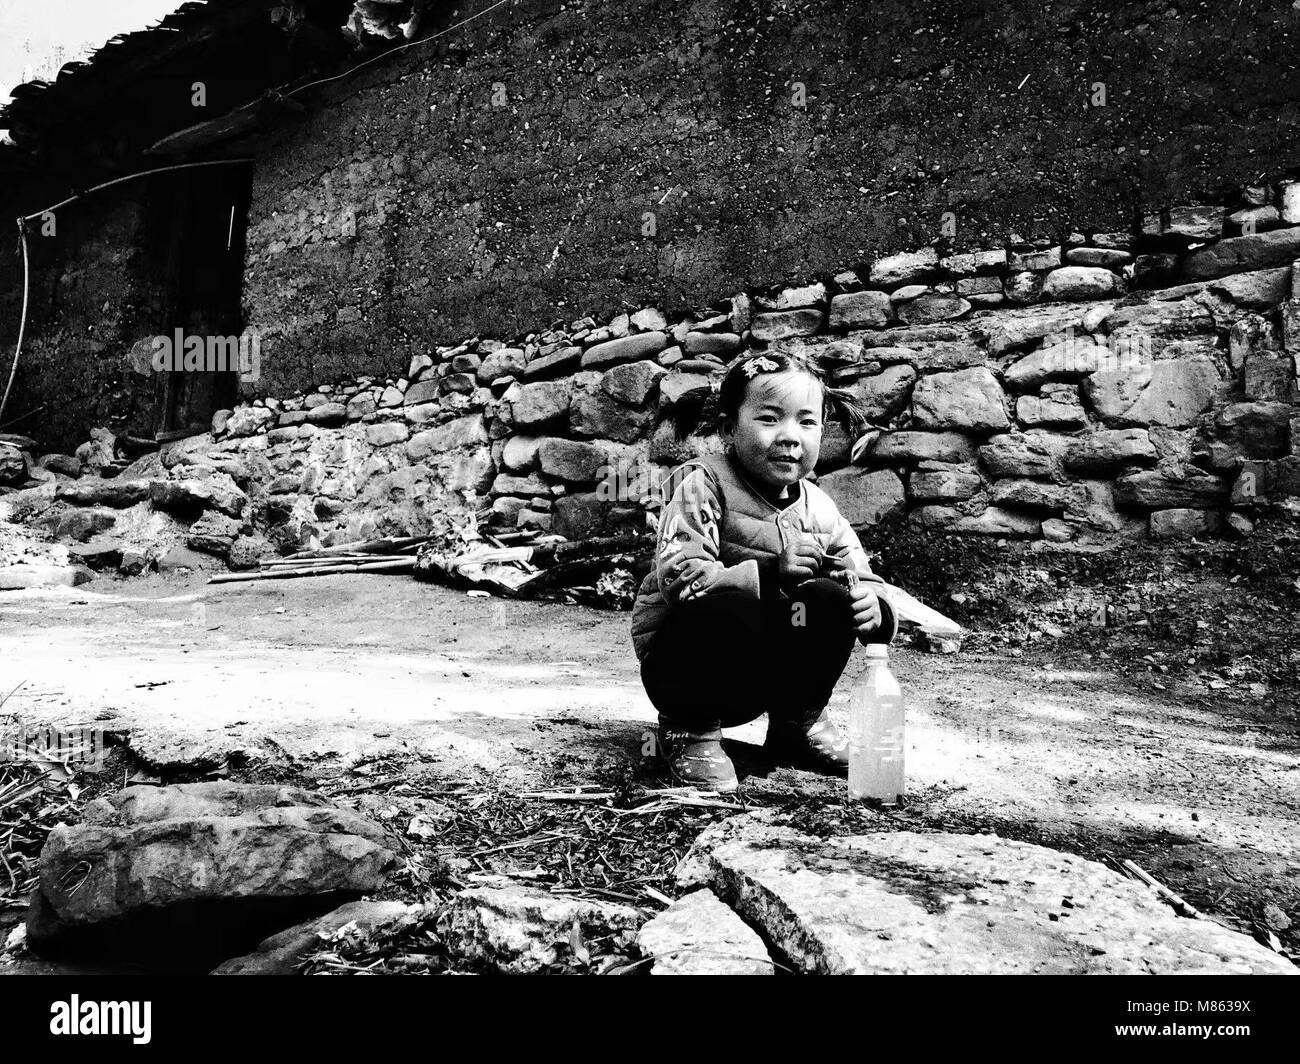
point(22, 237)
point(22, 321)
point(400, 48)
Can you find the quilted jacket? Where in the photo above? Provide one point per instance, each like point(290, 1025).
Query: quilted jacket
point(714, 512)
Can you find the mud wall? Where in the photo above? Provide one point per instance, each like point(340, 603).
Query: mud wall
point(503, 177)
point(96, 289)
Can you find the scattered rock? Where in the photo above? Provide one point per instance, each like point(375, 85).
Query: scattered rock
point(13, 466)
point(214, 533)
point(520, 931)
point(80, 525)
point(699, 935)
point(286, 952)
point(188, 498)
point(118, 494)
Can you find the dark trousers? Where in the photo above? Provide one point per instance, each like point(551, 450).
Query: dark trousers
point(725, 659)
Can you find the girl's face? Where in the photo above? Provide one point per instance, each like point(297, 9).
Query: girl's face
point(777, 434)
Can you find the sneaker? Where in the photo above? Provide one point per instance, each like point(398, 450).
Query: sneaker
point(696, 758)
point(819, 746)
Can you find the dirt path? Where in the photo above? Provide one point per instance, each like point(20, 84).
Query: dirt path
point(328, 672)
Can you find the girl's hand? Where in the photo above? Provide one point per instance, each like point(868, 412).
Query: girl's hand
point(866, 609)
point(800, 561)
point(697, 575)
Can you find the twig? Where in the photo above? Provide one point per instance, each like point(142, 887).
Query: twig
point(561, 796)
point(658, 896)
point(1165, 893)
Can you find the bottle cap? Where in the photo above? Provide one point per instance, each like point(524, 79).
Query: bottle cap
point(877, 650)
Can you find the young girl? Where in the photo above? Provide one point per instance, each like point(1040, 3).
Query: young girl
point(750, 607)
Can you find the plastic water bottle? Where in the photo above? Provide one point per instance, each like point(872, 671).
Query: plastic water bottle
point(876, 732)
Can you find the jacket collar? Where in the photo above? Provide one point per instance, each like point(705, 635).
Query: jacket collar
point(749, 485)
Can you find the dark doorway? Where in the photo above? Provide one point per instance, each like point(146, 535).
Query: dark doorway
point(206, 213)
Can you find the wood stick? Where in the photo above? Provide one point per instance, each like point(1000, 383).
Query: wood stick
point(391, 565)
point(1168, 895)
point(269, 563)
point(523, 563)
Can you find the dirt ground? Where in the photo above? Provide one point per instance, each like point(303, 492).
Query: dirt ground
point(1062, 733)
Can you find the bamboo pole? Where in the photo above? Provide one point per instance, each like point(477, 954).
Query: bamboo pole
point(388, 565)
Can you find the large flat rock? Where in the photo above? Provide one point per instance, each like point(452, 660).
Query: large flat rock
point(189, 869)
point(910, 903)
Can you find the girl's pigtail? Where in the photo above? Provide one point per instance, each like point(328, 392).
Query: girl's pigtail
point(847, 408)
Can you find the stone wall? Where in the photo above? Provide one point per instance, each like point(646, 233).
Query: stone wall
point(503, 178)
point(1079, 394)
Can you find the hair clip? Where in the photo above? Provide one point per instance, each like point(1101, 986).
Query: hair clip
point(757, 364)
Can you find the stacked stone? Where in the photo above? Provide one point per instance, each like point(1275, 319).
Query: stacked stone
point(1109, 386)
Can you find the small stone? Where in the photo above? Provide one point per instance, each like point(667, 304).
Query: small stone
point(936, 306)
point(908, 292)
point(649, 320)
point(1260, 251)
point(1071, 283)
point(1289, 198)
point(1185, 524)
point(1109, 449)
point(699, 343)
point(1103, 258)
point(809, 295)
point(627, 349)
point(328, 414)
point(943, 485)
point(780, 324)
point(384, 433)
point(1253, 219)
point(572, 460)
point(1026, 494)
point(977, 286)
point(1023, 287)
point(903, 268)
point(967, 400)
point(632, 382)
point(865, 498)
point(1048, 259)
point(1196, 223)
point(857, 310)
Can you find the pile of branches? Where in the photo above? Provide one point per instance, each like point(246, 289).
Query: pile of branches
point(618, 843)
point(32, 802)
point(603, 570)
